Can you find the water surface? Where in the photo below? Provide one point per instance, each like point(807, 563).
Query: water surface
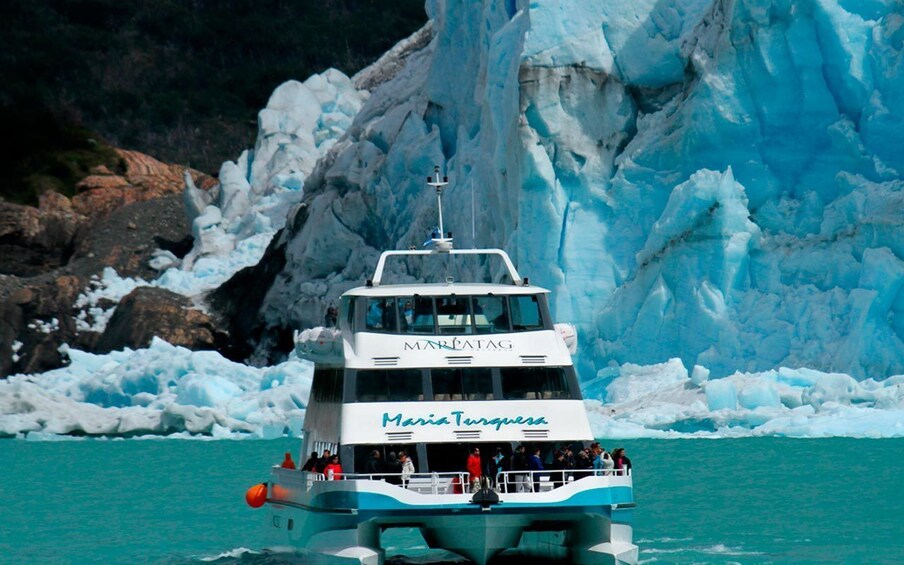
point(749, 501)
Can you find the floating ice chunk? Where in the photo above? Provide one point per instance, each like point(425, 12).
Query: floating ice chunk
point(636, 380)
point(699, 375)
point(756, 394)
point(160, 390)
point(721, 394)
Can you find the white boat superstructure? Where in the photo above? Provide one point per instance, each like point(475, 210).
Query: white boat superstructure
point(437, 371)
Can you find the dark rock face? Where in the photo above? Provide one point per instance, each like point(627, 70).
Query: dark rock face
point(35, 240)
point(37, 311)
point(36, 314)
point(147, 312)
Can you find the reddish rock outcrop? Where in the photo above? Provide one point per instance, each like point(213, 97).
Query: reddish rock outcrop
point(145, 178)
point(49, 254)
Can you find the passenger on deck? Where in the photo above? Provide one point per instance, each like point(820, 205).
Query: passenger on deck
point(393, 469)
point(331, 317)
point(519, 470)
point(596, 453)
point(602, 462)
point(287, 462)
point(535, 464)
point(407, 467)
point(374, 466)
point(569, 458)
point(322, 462)
point(583, 462)
point(620, 459)
point(558, 464)
point(333, 471)
point(311, 463)
point(474, 469)
point(498, 463)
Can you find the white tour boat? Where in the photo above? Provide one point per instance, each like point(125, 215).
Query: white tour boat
point(437, 370)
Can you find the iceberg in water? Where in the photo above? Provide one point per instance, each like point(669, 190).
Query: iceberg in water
point(170, 391)
point(161, 390)
point(665, 401)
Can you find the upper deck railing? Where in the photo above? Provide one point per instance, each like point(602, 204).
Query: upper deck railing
point(458, 482)
point(510, 267)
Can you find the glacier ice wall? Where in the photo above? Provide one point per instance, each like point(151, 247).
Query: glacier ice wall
point(711, 180)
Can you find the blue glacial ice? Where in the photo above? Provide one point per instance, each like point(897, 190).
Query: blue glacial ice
point(170, 391)
point(709, 181)
point(161, 390)
point(712, 190)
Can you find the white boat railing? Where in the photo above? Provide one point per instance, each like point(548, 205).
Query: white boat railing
point(458, 482)
point(547, 480)
point(422, 483)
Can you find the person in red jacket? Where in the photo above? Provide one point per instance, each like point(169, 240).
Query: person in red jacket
point(287, 462)
point(474, 469)
point(333, 471)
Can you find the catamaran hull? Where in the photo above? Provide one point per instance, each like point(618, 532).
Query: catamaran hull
point(344, 519)
point(579, 539)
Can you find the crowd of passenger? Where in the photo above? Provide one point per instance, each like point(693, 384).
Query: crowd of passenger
point(527, 470)
point(523, 471)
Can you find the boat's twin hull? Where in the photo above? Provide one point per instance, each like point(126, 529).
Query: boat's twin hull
point(585, 524)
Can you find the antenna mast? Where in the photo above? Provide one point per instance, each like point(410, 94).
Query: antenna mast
point(439, 240)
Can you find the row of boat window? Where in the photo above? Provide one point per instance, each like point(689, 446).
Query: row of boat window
point(472, 383)
point(453, 315)
point(446, 384)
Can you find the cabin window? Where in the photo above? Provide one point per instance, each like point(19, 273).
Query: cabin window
point(393, 385)
point(416, 314)
point(347, 308)
point(472, 383)
point(381, 314)
point(491, 314)
point(530, 383)
point(525, 313)
point(453, 315)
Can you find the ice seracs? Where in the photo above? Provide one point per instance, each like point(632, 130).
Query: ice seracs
point(728, 164)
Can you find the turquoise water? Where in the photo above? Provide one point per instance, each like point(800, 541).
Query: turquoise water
point(765, 500)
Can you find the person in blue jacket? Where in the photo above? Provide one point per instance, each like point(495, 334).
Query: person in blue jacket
point(535, 464)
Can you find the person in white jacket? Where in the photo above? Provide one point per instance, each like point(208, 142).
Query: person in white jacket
point(407, 467)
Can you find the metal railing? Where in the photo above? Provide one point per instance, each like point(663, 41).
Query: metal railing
point(422, 483)
point(544, 481)
point(458, 482)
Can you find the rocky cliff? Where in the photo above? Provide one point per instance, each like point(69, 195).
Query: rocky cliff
point(51, 254)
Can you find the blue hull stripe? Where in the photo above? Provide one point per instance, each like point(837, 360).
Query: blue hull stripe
point(594, 501)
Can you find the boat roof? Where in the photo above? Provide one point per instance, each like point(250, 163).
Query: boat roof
point(444, 289)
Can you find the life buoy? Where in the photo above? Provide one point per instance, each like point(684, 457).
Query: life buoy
point(256, 496)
